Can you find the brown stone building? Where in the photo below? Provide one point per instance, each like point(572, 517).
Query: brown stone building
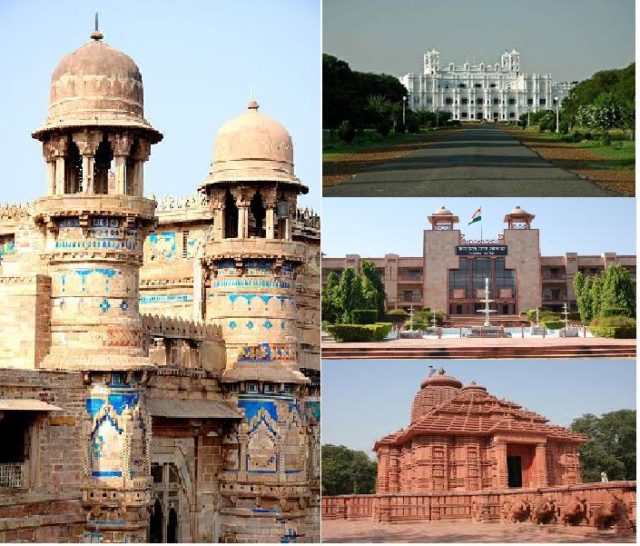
point(159, 371)
point(468, 455)
point(465, 439)
point(450, 274)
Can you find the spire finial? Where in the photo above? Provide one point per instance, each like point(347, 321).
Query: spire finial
point(96, 34)
point(253, 104)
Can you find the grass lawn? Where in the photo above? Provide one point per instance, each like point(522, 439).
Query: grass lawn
point(612, 167)
point(335, 150)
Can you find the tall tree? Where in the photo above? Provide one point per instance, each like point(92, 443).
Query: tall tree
point(611, 447)
point(330, 299)
point(618, 290)
point(346, 471)
point(372, 287)
point(350, 293)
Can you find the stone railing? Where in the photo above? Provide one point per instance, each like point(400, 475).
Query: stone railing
point(307, 217)
point(15, 211)
point(602, 505)
point(11, 475)
point(175, 328)
point(169, 202)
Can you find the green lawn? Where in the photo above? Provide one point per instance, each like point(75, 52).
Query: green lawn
point(333, 149)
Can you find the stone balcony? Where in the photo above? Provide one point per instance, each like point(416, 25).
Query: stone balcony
point(254, 247)
point(85, 205)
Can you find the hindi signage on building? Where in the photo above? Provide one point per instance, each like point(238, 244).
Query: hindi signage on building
point(481, 250)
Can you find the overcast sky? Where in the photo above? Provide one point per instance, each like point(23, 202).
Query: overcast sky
point(199, 61)
point(571, 39)
point(363, 400)
point(377, 226)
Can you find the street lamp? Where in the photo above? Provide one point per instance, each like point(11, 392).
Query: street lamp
point(557, 101)
point(404, 106)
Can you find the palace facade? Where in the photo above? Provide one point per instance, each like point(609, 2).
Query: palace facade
point(450, 275)
point(159, 364)
point(482, 91)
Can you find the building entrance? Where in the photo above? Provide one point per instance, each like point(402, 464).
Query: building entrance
point(514, 467)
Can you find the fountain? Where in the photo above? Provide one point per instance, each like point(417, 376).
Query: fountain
point(410, 333)
point(487, 330)
point(434, 329)
point(568, 332)
point(538, 330)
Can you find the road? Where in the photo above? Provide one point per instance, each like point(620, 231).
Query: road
point(477, 160)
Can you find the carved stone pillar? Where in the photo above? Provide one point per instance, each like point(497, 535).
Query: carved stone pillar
point(140, 155)
point(60, 146)
point(49, 153)
point(269, 199)
point(121, 145)
point(243, 213)
point(87, 143)
point(502, 471)
point(540, 465)
point(217, 204)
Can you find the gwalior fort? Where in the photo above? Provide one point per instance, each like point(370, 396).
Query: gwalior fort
point(159, 363)
point(470, 458)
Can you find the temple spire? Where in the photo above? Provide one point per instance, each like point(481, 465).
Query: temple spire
point(96, 34)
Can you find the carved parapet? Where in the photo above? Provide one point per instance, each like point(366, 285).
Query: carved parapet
point(169, 202)
point(176, 328)
point(54, 206)
point(238, 249)
point(20, 211)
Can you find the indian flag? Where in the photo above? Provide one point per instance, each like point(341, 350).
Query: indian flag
point(477, 216)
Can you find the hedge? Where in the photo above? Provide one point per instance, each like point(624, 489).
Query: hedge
point(364, 316)
point(415, 325)
point(396, 316)
point(614, 312)
point(618, 327)
point(553, 324)
point(360, 332)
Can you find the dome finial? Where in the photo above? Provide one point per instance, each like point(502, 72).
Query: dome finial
point(96, 34)
point(253, 103)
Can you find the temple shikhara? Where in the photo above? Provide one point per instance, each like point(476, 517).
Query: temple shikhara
point(159, 364)
point(469, 455)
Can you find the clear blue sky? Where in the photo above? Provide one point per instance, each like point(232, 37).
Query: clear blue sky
point(363, 400)
point(374, 227)
point(571, 39)
point(199, 61)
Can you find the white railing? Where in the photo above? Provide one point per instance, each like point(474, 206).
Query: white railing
point(11, 474)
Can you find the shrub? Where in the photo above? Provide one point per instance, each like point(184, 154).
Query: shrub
point(605, 140)
point(553, 324)
point(413, 124)
point(614, 312)
point(346, 132)
point(426, 316)
point(360, 332)
point(396, 316)
point(364, 316)
point(415, 325)
point(618, 327)
point(384, 127)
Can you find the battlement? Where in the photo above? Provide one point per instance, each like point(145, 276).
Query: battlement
point(176, 328)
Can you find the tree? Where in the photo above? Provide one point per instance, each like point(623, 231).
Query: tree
point(330, 300)
point(594, 296)
point(582, 289)
point(350, 293)
point(346, 471)
point(611, 447)
point(372, 287)
point(618, 290)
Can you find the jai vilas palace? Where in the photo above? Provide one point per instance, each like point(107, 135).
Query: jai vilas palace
point(450, 275)
point(482, 91)
point(159, 363)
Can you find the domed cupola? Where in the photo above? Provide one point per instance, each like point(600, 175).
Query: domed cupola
point(96, 85)
point(253, 147)
point(434, 390)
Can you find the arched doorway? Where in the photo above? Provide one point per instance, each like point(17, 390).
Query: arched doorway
point(164, 521)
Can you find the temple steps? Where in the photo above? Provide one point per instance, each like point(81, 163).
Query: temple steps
point(498, 352)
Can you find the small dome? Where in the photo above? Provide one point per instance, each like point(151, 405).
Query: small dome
point(253, 147)
point(442, 211)
point(434, 390)
point(518, 211)
point(474, 387)
point(96, 85)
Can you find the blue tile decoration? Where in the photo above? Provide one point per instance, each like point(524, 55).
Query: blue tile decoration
point(94, 405)
point(314, 409)
point(250, 325)
point(252, 406)
point(124, 305)
point(250, 283)
point(162, 245)
point(165, 298)
point(267, 324)
point(121, 401)
point(233, 324)
point(105, 305)
point(106, 473)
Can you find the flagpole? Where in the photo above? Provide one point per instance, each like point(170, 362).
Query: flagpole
point(480, 224)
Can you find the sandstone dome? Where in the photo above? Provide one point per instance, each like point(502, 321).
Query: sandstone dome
point(253, 147)
point(434, 390)
point(96, 85)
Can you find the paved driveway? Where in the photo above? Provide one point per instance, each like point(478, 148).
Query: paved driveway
point(478, 160)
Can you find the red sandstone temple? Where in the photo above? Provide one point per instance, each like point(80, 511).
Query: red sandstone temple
point(468, 455)
point(465, 439)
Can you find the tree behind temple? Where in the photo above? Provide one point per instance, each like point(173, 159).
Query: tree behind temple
point(611, 447)
point(346, 471)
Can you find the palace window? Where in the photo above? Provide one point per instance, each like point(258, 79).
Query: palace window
point(479, 101)
point(464, 115)
point(512, 101)
point(492, 85)
point(512, 115)
point(429, 100)
point(73, 174)
point(185, 243)
point(252, 387)
point(478, 85)
point(530, 102)
point(102, 166)
point(496, 101)
point(448, 100)
point(464, 101)
point(543, 102)
point(463, 85)
point(465, 281)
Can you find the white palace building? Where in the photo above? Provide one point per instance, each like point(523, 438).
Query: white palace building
point(483, 91)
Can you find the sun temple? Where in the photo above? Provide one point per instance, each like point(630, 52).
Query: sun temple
point(159, 364)
point(469, 455)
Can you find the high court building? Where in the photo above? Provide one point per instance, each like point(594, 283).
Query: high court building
point(159, 363)
point(450, 275)
point(498, 91)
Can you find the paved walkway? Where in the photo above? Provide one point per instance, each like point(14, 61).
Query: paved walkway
point(370, 531)
point(478, 160)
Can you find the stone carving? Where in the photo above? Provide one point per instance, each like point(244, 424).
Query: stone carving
point(516, 510)
point(576, 511)
point(547, 512)
point(170, 202)
point(613, 513)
